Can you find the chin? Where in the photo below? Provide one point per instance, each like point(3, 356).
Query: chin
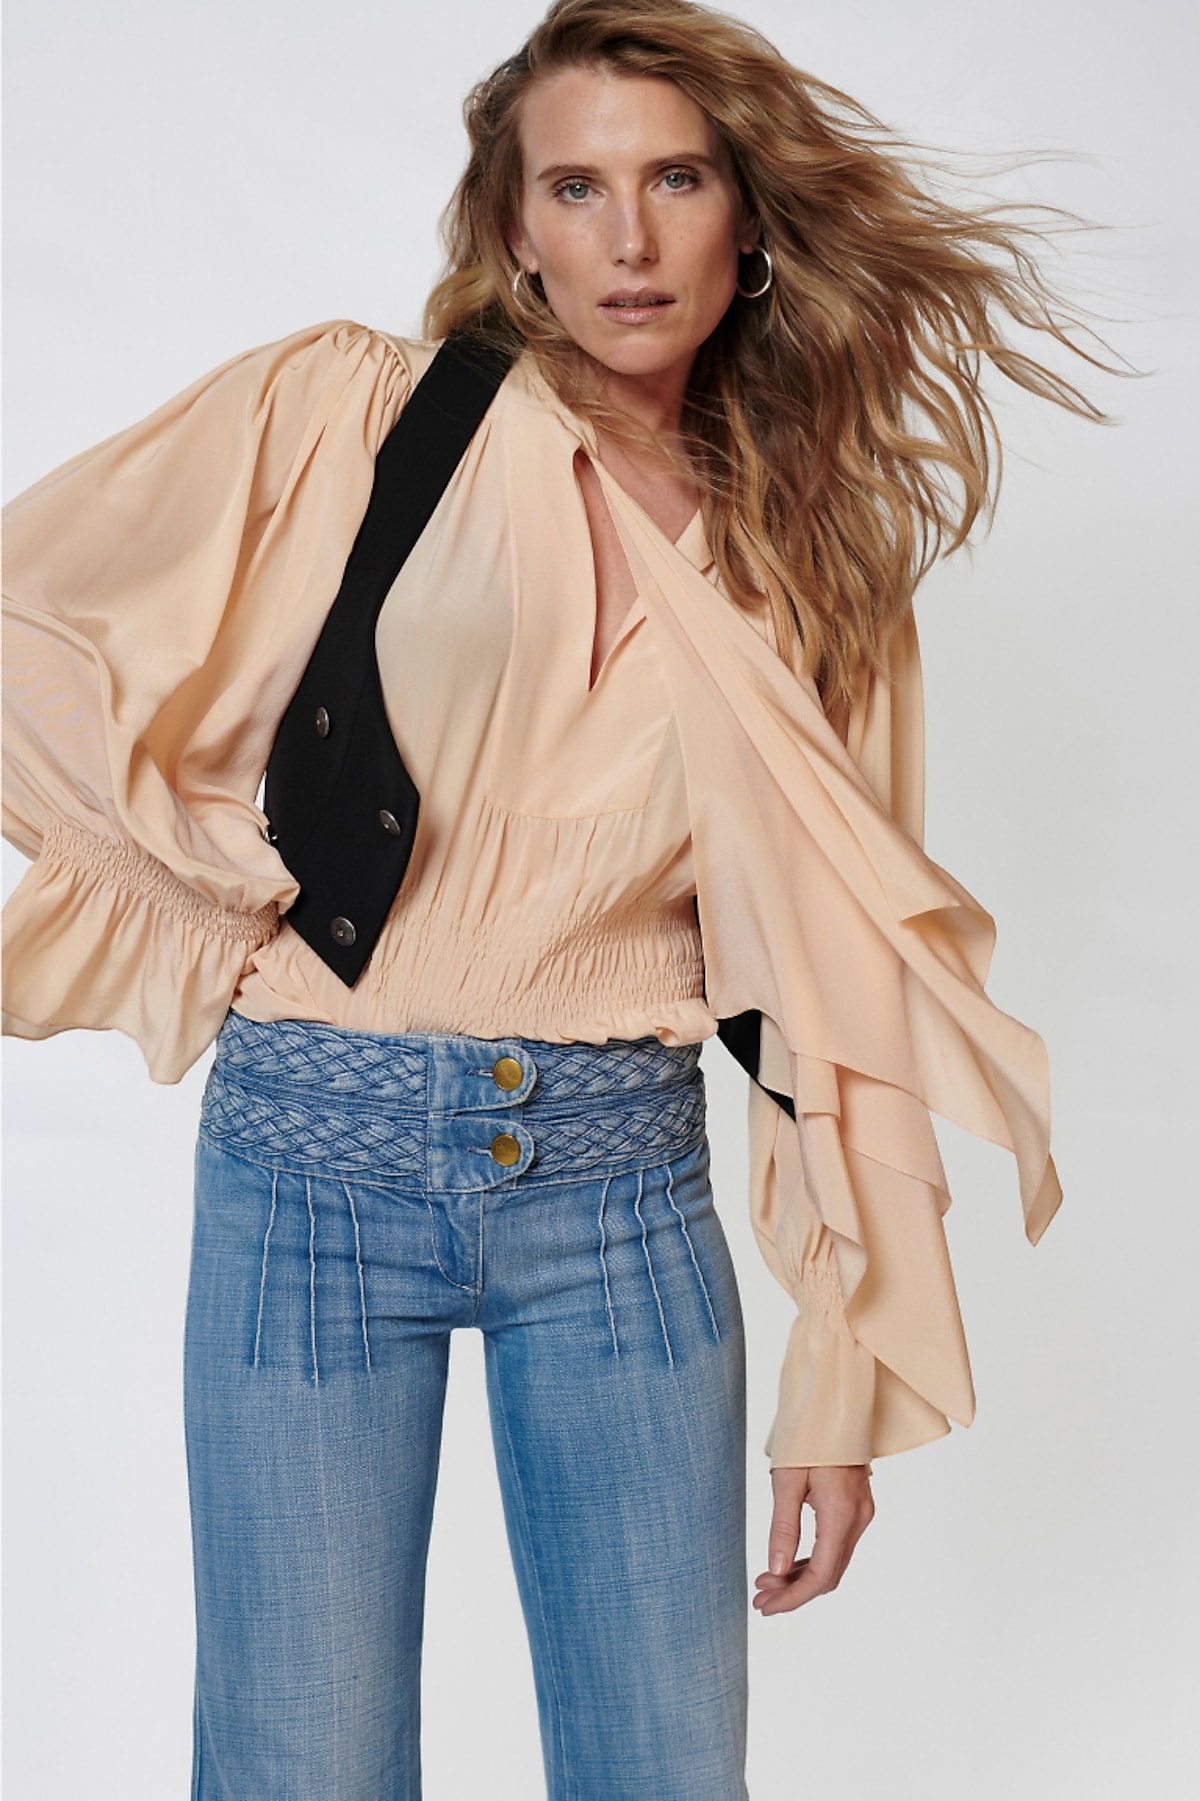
point(639, 357)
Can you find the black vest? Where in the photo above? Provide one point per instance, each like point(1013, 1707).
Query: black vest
point(341, 806)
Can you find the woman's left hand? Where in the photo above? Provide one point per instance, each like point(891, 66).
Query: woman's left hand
point(840, 1497)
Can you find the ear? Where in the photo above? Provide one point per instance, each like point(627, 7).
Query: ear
point(518, 243)
point(751, 229)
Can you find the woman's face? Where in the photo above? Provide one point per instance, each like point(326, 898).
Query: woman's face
point(631, 218)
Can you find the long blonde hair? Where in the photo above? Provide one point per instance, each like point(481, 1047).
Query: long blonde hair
point(837, 428)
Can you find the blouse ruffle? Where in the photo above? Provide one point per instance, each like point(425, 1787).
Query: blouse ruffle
point(819, 909)
point(166, 590)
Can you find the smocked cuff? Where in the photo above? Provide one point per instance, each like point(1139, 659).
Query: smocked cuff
point(101, 935)
point(826, 1386)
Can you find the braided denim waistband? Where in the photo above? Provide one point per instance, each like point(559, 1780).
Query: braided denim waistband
point(297, 1094)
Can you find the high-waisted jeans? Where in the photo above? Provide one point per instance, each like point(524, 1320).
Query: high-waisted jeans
point(358, 1196)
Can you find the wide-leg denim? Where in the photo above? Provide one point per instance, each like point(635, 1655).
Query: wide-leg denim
point(358, 1196)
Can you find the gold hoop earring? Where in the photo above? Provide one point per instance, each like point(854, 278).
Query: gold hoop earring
point(757, 293)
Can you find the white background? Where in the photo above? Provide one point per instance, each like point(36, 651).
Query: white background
point(188, 180)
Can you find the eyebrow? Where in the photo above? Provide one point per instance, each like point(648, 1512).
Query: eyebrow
point(557, 170)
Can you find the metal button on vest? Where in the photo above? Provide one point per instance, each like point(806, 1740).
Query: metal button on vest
point(343, 931)
point(507, 1073)
point(322, 723)
point(506, 1149)
point(390, 823)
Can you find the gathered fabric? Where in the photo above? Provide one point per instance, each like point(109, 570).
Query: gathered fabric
point(686, 839)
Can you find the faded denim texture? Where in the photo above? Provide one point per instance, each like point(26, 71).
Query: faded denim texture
point(349, 1213)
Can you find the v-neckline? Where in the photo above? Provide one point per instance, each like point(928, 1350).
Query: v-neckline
point(586, 440)
point(605, 474)
point(633, 612)
point(691, 542)
point(636, 609)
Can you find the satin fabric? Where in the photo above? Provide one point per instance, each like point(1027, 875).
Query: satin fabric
point(163, 593)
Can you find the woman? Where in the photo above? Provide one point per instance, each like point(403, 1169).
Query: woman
point(652, 669)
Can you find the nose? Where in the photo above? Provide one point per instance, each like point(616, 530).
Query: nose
point(632, 233)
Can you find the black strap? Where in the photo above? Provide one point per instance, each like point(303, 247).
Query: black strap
point(341, 805)
point(741, 1034)
point(413, 469)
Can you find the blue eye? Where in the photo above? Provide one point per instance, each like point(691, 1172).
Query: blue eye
point(574, 190)
point(683, 177)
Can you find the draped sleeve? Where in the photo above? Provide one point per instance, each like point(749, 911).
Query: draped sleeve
point(837, 1402)
point(162, 595)
point(819, 910)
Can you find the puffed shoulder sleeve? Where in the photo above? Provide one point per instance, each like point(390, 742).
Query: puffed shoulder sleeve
point(865, 961)
point(162, 594)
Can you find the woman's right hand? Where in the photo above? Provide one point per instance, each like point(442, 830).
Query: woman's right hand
point(840, 1497)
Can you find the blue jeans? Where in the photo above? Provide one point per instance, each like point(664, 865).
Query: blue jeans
point(357, 1197)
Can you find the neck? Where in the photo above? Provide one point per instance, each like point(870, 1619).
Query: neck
point(655, 401)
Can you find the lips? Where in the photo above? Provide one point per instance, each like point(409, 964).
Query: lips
point(636, 306)
point(635, 298)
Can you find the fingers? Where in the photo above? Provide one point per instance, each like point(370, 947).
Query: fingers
point(783, 1541)
point(841, 1501)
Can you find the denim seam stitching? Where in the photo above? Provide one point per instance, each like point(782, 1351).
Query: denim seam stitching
point(480, 1209)
point(604, 1269)
point(464, 1287)
point(312, 1278)
point(691, 1247)
point(262, 1281)
point(362, 1289)
point(637, 1208)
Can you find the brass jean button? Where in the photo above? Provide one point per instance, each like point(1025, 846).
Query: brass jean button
point(507, 1073)
point(505, 1149)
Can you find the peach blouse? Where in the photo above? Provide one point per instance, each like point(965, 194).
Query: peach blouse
point(686, 839)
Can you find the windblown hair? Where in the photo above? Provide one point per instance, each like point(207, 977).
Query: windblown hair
point(837, 428)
